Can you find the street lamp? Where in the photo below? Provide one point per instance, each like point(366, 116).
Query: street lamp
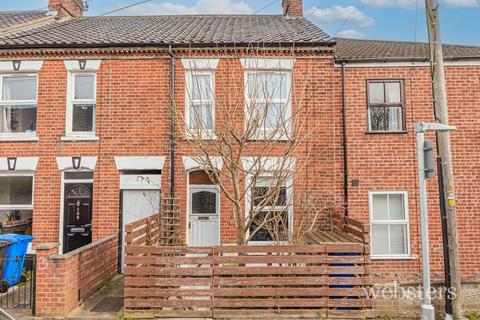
point(425, 171)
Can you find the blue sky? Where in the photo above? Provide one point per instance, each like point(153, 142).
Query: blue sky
point(371, 19)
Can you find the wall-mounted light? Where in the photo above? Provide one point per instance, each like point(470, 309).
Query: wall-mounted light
point(76, 161)
point(82, 64)
point(16, 64)
point(12, 163)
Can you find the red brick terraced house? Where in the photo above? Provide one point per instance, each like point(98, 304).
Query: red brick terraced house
point(91, 131)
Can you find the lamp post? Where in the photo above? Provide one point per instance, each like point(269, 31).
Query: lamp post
point(426, 165)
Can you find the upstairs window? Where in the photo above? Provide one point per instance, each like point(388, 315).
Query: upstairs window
point(82, 106)
point(271, 221)
point(18, 105)
point(200, 100)
point(390, 224)
point(268, 103)
point(386, 107)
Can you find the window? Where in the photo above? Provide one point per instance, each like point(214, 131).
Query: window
point(386, 109)
point(200, 113)
point(16, 199)
point(268, 103)
point(390, 225)
point(271, 221)
point(18, 105)
point(82, 106)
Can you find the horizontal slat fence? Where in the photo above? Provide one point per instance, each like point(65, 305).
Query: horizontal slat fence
point(278, 281)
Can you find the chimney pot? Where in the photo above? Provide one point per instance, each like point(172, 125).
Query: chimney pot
point(67, 8)
point(292, 8)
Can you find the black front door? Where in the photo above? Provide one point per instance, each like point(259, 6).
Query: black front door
point(77, 216)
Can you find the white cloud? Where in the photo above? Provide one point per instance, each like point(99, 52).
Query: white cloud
point(409, 4)
point(349, 15)
point(463, 3)
point(201, 7)
point(351, 33)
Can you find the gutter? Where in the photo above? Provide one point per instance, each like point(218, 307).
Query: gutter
point(345, 148)
point(401, 59)
point(172, 121)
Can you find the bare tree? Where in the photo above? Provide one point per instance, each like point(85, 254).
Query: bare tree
point(258, 131)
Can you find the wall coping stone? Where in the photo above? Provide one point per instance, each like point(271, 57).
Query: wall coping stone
point(82, 249)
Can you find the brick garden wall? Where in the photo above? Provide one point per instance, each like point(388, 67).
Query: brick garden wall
point(65, 281)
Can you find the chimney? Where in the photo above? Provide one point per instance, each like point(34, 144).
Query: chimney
point(292, 8)
point(67, 8)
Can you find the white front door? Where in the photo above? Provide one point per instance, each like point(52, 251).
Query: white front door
point(137, 205)
point(203, 218)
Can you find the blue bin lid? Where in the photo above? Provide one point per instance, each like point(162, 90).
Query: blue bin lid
point(15, 237)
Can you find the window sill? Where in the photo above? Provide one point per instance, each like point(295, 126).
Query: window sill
point(387, 132)
point(402, 257)
point(18, 137)
point(205, 136)
point(80, 138)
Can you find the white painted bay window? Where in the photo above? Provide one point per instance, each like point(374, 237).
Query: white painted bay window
point(18, 105)
point(390, 224)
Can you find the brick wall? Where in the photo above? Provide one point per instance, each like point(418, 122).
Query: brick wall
point(388, 162)
point(65, 281)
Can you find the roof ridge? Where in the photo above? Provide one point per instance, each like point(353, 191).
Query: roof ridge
point(187, 15)
point(407, 42)
point(23, 11)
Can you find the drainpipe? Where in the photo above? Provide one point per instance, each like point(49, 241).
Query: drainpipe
point(345, 149)
point(172, 121)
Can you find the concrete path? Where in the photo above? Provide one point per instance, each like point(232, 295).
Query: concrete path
point(104, 304)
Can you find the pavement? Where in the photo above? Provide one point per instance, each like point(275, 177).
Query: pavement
point(107, 303)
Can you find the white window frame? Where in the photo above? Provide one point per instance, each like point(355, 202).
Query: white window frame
point(289, 206)
point(21, 136)
point(262, 134)
point(79, 135)
point(189, 102)
point(23, 206)
point(405, 222)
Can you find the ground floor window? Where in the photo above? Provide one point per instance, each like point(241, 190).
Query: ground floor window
point(16, 203)
point(390, 224)
point(271, 210)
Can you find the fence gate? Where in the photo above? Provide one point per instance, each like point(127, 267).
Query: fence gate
point(22, 294)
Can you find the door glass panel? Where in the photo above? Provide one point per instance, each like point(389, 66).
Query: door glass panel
point(204, 202)
point(79, 192)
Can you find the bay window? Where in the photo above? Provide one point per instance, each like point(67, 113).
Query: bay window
point(390, 224)
point(18, 105)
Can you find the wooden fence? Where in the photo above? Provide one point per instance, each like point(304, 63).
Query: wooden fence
point(317, 281)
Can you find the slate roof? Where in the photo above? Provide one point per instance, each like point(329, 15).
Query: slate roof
point(353, 49)
point(201, 30)
point(11, 18)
